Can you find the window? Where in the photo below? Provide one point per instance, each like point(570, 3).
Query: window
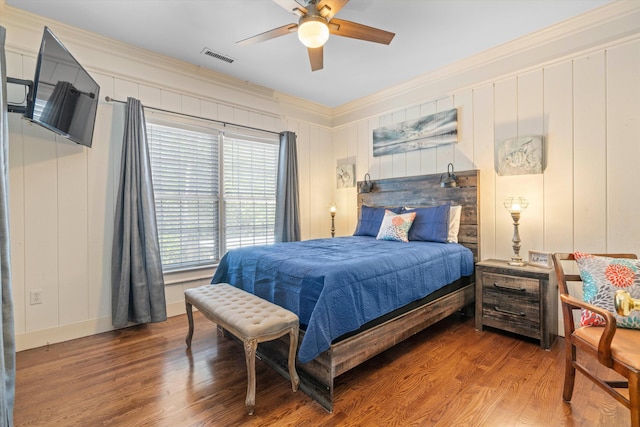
point(213, 193)
point(250, 173)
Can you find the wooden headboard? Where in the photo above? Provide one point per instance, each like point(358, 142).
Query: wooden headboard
point(424, 191)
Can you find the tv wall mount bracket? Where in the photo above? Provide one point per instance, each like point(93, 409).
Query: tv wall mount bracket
point(17, 108)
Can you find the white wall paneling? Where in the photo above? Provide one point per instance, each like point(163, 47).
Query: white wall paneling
point(590, 155)
point(483, 137)
point(73, 241)
point(558, 175)
point(41, 225)
point(623, 146)
point(463, 153)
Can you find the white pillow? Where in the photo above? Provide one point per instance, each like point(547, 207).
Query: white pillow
point(454, 223)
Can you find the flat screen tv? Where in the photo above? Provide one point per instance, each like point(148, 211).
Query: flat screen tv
point(65, 97)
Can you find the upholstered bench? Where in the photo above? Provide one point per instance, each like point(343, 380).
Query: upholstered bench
point(248, 317)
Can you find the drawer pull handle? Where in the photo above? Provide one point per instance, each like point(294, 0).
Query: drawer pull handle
point(513, 313)
point(508, 288)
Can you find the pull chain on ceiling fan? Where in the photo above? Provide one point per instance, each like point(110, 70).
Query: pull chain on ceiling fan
point(316, 23)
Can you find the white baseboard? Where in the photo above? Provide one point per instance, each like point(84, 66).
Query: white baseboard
point(42, 337)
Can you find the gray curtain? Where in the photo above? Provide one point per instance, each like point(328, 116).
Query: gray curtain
point(287, 206)
point(7, 344)
point(136, 270)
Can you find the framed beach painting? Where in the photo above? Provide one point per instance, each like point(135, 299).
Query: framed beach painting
point(428, 131)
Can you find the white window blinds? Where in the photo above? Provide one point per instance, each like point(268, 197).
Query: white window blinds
point(185, 168)
point(250, 171)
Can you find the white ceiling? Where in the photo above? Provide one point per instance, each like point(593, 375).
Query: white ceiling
point(429, 34)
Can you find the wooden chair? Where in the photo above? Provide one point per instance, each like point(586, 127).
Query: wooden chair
point(617, 349)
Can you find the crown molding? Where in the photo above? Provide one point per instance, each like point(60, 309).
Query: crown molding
point(611, 22)
point(306, 111)
point(123, 57)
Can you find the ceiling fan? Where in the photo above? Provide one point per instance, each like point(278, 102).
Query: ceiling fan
point(316, 23)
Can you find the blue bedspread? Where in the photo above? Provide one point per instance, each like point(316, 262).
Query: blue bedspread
point(337, 285)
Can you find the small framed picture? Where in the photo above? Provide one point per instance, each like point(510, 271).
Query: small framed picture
point(541, 259)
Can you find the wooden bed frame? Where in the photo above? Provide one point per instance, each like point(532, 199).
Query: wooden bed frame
point(317, 377)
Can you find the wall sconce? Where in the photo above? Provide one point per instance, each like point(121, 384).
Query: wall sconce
point(332, 209)
point(515, 205)
point(366, 186)
point(451, 180)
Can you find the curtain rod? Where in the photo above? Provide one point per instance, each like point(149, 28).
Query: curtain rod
point(109, 99)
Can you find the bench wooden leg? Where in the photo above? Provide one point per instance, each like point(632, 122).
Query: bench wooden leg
point(190, 318)
point(250, 347)
point(293, 347)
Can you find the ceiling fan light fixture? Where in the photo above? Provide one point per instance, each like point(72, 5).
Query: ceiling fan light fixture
point(313, 31)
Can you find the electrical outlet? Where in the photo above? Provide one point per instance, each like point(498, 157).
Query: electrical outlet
point(36, 296)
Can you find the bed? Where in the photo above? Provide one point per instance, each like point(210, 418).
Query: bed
point(357, 296)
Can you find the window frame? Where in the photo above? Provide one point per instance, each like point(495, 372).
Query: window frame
point(223, 207)
point(176, 120)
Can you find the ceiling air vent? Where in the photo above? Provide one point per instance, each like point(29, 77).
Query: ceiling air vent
point(221, 57)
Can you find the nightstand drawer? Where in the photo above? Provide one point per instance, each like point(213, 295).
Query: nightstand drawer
point(517, 312)
point(510, 285)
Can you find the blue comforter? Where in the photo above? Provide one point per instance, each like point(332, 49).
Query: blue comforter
point(337, 285)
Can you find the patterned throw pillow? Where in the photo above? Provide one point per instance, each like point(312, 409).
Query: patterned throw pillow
point(602, 277)
point(396, 226)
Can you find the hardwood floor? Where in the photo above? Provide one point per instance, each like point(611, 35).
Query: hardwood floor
point(447, 375)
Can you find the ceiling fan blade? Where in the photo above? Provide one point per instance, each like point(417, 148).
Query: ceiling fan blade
point(292, 6)
point(328, 8)
point(316, 58)
point(271, 34)
point(343, 28)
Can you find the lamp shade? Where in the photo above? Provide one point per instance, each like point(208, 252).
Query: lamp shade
point(313, 31)
point(516, 204)
point(449, 179)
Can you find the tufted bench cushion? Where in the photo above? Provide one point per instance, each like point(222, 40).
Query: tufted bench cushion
point(248, 317)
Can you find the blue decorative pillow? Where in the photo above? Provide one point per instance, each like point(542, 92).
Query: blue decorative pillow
point(431, 224)
point(370, 220)
point(395, 226)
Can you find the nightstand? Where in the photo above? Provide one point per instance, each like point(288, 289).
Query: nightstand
point(522, 300)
